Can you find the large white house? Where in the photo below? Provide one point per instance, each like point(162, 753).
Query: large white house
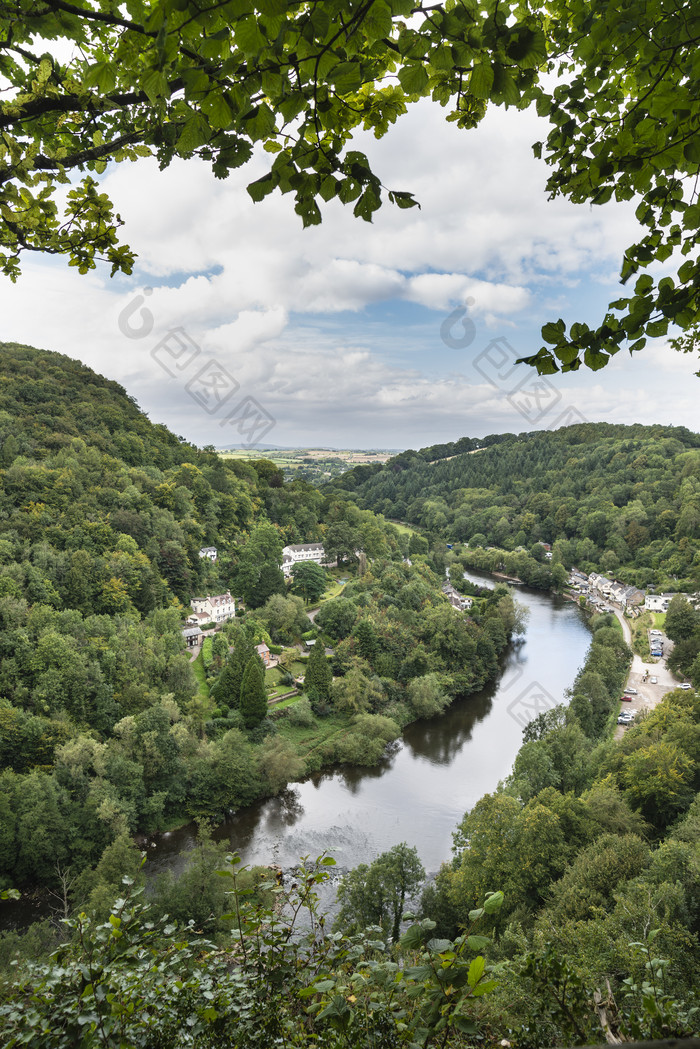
point(208, 551)
point(292, 555)
point(218, 608)
point(658, 602)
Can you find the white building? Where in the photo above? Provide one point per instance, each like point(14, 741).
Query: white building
point(658, 602)
point(457, 600)
point(208, 551)
point(218, 608)
point(292, 555)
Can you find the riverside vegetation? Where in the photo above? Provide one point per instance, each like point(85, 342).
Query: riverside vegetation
point(571, 897)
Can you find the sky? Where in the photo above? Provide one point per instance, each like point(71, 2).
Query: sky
point(240, 327)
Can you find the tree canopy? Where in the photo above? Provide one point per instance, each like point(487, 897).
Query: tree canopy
point(180, 78)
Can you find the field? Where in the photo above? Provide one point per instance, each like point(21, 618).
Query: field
point(403, 528)
point(313, 464)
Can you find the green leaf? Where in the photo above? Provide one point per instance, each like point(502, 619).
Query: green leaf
point(553, 331)
point(195, 133)
point(249, 37)
point(324, 985)
point(217, 109)
point(346, 77)
point(102, 76)
point(412, 938)
point(476, 971)
point(478, 943)
point(259, 189)
point(493, 902)
point(156, 86)
point(481, 80)
point(413, 79)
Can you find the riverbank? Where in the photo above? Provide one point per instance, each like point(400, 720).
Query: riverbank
point(437, 769)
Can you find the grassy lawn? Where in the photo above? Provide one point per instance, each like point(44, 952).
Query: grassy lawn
point(273, 677)
point(199, 672)
point(640, 636)
point(287, 702)
point(659, 620)
point(403, 528)
point(332, 590)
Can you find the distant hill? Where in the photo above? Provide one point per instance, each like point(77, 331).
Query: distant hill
point(625, 499)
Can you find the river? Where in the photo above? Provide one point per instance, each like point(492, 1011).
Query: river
point(430, 777)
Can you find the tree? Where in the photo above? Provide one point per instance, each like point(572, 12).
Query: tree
point(227, 688)
point(186, 82)
point(376, 894)
point(309, 580)
point(258, 574)
point(318, 676)
point(633, 142)
point(681, 619)
point(253, 694)
point(426, 697)
point(337, 616)
point(279, 762)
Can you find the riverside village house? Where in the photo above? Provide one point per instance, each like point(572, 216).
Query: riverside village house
point(216, 609)
point(291, 555)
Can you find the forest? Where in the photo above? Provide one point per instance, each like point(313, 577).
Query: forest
point(623, 500)
point(105, 729)
point(569, 906)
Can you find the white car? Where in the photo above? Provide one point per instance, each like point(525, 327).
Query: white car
point(653, 681)
point(630, 691)
point(656, 632)
point(685, 686)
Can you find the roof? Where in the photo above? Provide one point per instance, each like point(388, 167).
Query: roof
point(191, 631)
point(262, 648)
point(302, 547)
point(218, 599)
point(207, 550)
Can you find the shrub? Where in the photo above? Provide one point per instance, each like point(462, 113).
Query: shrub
point(301, 713)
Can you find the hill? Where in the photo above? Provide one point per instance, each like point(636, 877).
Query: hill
point(621, 499)
point(105, 730)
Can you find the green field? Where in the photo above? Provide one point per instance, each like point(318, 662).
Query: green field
point(313, 464)
point(404, 528)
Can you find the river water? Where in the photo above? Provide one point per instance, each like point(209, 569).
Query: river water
point(428, 780)
point(430, 777)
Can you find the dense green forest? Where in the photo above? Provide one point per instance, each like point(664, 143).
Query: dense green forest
point(568, 914)
point(105, 728)
point(624, 500)
point(569, 908)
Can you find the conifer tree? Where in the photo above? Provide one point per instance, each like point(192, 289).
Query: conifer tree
point(253, 695)
point(227, 690)
point(319, 675)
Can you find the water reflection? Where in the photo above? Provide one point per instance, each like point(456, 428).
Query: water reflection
point(426, 783)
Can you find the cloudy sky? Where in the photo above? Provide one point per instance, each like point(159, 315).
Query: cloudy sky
point(238, 326)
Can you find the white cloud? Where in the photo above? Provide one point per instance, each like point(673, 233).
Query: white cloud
point(264, 298)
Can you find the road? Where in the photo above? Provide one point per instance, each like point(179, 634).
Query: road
point(648, 695)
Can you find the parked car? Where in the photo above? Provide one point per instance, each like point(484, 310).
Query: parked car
point(685, 686)
point(631, 691)
point(625, 719)
point(653, 681)
point(626, 699)
point(657, 633)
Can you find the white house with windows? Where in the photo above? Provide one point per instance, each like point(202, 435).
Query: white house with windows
point(292, 555)
point(208, 551)
point(457, 600)
point(218, 608)
point(658, 602)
